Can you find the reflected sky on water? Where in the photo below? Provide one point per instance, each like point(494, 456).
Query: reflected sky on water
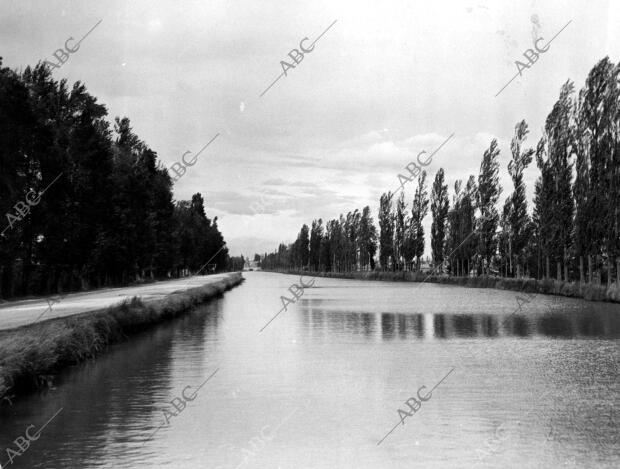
point(322, 384)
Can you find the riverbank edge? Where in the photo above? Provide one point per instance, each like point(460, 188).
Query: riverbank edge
point(588, 292)
point(31, 355)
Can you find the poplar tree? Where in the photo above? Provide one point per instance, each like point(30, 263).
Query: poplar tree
point(518, 218)
point(439, 210)
point(505, 238)
point(399, 230)
point(386, 230)
point(553, 157)
point(367, 240)
point(316, 236)
point(597, 184)
point(419, 210)
point(488, 194)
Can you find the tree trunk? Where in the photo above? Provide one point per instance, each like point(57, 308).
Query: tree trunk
point(547, 267)
point(598, 271)
point(580, 269)
point(558, 272)
point(589, 268)
point(538, 265)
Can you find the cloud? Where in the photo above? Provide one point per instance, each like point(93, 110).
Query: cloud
point(274, 182)
point(334, 133)
point(237, 203)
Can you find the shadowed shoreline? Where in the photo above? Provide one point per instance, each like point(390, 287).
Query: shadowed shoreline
point(585, 291)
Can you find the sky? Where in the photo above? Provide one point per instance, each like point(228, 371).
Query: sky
point(386, 81)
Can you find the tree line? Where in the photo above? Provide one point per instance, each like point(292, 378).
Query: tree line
point(573, 232)
point(86, 203)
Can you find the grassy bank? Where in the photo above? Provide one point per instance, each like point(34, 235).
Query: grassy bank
point(546, 287)
point(31, 355)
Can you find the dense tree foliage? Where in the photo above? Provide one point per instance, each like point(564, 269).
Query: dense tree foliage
point(597, 185)
point(386, 230)
point(516, 220)
point(572, 234)
point(419, 210)
point(488, 194)
point(84, 203)
point(439, 210)
point(348, 243)
point(400, 232)
point(554, 159)
point(461, 244)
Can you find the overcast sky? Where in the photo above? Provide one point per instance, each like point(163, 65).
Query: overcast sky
point(388, 80)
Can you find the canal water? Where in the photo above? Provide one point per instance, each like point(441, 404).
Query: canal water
point(479, 383)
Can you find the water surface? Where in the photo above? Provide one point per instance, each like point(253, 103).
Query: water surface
point(321, 386)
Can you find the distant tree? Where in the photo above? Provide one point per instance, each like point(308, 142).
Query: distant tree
point(467, 208)
point(351, 227)
point(504, 238)
point(439, 210)
point(236, 263)
point(455, 224)
point(399, 231)
point(553, 157)
point(461, 240)
point(367, 240)
point(488, 193)
point(568, 220)
point(301, 248)
point(519, 220)
point(386, 230)
point(327, 256)
point(419, 210)
point(316, 237)
point(597, 183)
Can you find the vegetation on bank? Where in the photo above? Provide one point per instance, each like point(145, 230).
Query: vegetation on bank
point(592, 292)
point(31, 355)
point(572, 234)
point(84, 203)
